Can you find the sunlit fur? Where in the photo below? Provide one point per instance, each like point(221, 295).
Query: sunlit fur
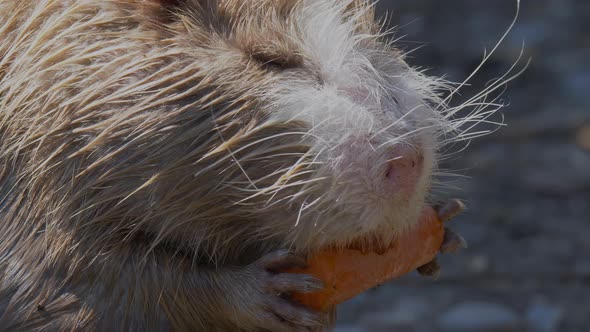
point(139, 146)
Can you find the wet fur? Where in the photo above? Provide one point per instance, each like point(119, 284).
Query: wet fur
point(146, 151)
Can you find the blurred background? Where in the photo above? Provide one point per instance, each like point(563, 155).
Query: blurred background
point(527, 267)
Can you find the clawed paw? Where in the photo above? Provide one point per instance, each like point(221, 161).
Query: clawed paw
point(452, 242)
point(277, 311)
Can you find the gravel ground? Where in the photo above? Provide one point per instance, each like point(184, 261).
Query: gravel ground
point(528, 188)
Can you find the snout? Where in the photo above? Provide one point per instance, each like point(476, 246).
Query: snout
point(404, 170)
point(399, 171)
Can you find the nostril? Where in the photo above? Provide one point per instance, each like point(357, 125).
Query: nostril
point(405, 169)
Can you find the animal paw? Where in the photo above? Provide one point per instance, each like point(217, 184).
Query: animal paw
point(452, 242)
point(271, 306)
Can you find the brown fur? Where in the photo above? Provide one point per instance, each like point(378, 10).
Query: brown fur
point(125, 130)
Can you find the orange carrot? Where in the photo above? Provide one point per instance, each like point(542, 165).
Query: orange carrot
point(349, 272)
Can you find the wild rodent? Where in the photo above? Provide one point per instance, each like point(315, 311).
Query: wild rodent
point(160, 161)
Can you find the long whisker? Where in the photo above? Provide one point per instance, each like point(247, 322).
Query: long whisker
point(487, 56)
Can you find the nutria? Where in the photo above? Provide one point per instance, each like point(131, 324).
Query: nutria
point(162, 160)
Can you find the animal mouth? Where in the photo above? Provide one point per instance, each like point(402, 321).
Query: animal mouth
point(380, 241)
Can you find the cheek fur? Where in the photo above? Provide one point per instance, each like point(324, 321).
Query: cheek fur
point(376, 161)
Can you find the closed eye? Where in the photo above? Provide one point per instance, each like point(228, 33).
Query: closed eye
point(276, 63)
point(277, 60)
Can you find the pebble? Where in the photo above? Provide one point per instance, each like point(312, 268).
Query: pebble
point(480, 317)
point(479, 264)
point(544, 317)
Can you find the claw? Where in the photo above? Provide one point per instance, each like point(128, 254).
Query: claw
point(452, 242)
point(280, 260)
point(450, 209)
point(301, 283)
point(431, 269)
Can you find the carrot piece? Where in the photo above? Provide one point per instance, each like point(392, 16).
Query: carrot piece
point(349, 272)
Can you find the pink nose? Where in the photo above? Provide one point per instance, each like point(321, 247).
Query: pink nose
point(405, 169)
